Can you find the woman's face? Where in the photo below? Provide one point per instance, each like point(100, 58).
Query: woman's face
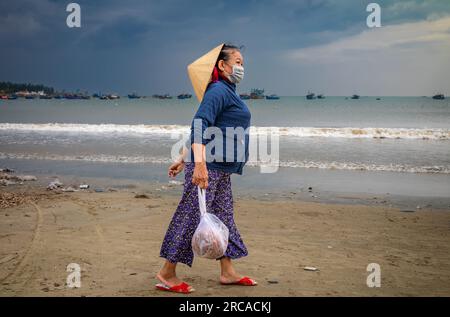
point(235, 59)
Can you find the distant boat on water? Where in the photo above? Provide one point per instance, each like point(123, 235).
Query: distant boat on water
point(134, 96)
point(184, 96)
point(439, 97)
point(272, 97)
point(109, 97)
point(244, 96)
point(29, 97)
point(257, 93)
point(77, 96)
point(113, 96)
point(12, 97)
point(45, 97)
point(70, 96)
point(321, 96)
point(166, 96)
point(355, 97)
point(310, 96)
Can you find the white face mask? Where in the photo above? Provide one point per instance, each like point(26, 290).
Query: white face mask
point(237, 75)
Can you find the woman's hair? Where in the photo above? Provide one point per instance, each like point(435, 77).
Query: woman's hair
point(227, 50)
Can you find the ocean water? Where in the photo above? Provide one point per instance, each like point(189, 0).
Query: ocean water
point(397, 136)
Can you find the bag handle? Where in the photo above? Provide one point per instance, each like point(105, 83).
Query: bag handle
point(202, 200)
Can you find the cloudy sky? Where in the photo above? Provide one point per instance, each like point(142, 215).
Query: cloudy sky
point(291, 46)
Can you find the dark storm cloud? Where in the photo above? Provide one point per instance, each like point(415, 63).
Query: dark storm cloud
point(145, 46)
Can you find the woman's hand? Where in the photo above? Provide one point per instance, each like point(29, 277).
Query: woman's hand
point(176, 168)
point(200, 176)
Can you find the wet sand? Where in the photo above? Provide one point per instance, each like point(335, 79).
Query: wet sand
point(115, 238)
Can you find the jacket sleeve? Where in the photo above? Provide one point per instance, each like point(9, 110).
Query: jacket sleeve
point(211, 106)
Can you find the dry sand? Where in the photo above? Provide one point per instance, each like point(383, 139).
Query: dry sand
point(115, 238)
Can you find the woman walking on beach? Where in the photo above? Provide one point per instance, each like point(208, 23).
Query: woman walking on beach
point(214, 77)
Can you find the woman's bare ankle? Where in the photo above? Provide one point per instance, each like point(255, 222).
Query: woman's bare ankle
point(167, 273)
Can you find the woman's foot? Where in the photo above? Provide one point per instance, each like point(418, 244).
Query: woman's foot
point(234, 278)
point(170, 279)
point(229, 276)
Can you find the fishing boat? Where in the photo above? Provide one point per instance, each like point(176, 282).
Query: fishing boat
point(166, 96)
point(70, 96)
point(184, 96)
point(354, 97)
point(113, 97)
point(257, 93)
point(4, 97)
point(310, 96)
point(134, 96)
point(272, 97)
point(321, 96)
point(244, 96)
point(30, 97)
point(12, 97)
point(45, 97)
point(439, 97)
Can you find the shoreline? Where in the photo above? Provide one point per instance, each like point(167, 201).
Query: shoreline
point(288, 184)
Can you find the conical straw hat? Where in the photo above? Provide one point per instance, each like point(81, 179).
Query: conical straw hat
point(201, 69)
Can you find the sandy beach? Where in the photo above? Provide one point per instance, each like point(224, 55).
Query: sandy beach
point(115, 238)
point(336, 142)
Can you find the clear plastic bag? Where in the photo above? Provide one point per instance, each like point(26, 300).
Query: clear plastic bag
point(210, 239)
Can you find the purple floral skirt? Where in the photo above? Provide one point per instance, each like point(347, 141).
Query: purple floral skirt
point(176, 246)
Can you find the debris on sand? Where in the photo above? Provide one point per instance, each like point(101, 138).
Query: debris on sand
point(26, 178)
point(6, 178)
point(54, 184)
point(6, 182)
point(69, 189)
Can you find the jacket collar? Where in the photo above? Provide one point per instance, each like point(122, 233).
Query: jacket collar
point(229, 84)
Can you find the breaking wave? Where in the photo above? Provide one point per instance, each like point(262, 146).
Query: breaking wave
point(137, 129)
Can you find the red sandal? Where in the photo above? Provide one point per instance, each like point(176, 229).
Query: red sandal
point(245, 281)
point(180, 288)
